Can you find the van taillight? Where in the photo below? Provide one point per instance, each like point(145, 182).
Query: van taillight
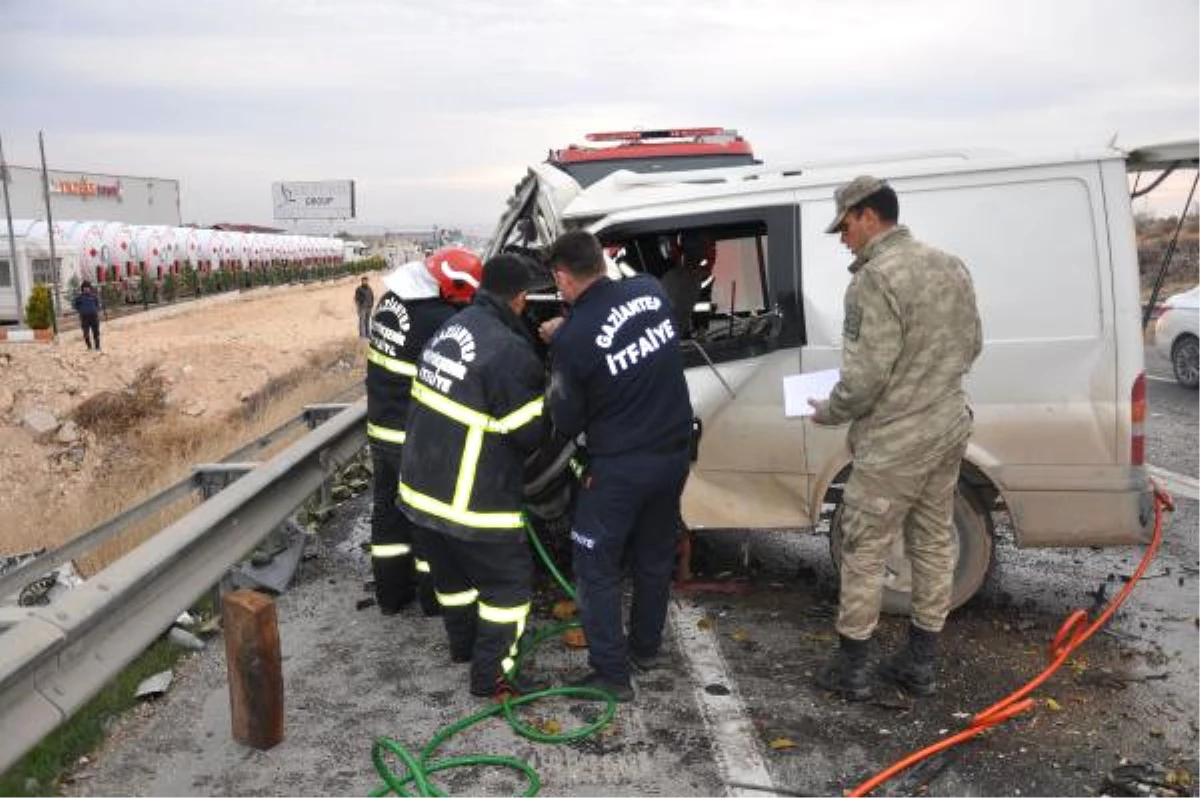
point(1137, 442)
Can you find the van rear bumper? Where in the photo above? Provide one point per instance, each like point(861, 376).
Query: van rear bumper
point(1082, 518)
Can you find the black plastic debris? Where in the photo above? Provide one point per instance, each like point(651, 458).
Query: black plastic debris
point(1147, 779)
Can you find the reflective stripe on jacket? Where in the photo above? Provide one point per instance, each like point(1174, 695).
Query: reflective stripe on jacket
point(399, 329)
point(476, 415)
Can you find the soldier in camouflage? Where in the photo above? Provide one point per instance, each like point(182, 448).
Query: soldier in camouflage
point(910, 335)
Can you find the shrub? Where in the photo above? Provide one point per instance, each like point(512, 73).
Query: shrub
point(146, 289)
point(110, 294)
point(170, 287)
point(39, 309)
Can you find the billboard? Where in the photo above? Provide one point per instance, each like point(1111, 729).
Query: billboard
point(317, 199)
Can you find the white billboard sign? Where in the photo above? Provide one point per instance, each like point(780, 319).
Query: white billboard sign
point(317, 199)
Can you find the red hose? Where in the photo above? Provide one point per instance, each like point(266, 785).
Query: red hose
point(1071, 635)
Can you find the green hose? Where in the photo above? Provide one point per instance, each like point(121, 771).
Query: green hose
point(419, 769)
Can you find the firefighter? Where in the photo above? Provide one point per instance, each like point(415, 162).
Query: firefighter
point(420, 297)
point(475, 416)
point(617, 375)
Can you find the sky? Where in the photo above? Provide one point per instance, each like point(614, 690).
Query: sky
point(435, 107)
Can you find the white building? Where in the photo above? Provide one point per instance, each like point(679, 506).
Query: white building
point(91, 195)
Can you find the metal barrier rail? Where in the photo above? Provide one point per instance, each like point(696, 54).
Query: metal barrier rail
point(53, 659)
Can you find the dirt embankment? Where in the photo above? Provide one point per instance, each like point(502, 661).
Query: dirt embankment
point(64, 467)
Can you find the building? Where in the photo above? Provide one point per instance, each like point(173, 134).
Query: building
point(92, 195)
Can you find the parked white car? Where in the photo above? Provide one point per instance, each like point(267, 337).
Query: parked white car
point(1176, 335)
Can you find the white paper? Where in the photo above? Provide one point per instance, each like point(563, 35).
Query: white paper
point(799, 388)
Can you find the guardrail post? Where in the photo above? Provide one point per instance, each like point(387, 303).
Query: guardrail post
point(211, 479)
point(315, 416)
point(255, 668)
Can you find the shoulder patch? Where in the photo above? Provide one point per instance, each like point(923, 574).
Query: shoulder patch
point(853, 322)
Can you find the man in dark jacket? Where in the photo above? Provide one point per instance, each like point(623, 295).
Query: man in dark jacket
point(87, 305)
point(476, 415)
point(420, 297)
point(364, 300)
point(617, 375)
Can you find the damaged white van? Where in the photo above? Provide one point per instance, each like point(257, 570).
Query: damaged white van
point(1059, 392)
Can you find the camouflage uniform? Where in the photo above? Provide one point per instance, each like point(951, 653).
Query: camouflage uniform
point(911, 333)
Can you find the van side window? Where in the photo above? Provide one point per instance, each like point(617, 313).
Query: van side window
point(5, 275)
point(715, 278)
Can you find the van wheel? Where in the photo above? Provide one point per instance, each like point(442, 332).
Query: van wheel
point(1185, 359)
point(974, 528)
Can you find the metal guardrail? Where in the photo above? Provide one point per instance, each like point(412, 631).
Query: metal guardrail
point(53, 659)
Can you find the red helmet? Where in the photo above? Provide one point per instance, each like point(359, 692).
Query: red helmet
point(457, 271)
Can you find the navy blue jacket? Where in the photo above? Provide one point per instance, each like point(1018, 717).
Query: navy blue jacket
point(87, 304)
point(617, 372)
point(475, 414)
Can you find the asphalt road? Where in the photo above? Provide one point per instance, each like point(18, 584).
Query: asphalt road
point(734, 710)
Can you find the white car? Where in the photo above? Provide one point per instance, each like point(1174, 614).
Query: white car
point(1176, 336)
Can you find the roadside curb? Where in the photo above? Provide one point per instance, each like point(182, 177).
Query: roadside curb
point(26, 336)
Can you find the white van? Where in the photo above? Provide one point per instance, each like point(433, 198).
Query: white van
point(1058, 393)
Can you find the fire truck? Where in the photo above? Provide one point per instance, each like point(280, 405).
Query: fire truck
point(666, 150)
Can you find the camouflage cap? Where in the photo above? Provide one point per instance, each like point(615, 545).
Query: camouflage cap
point(851, 194)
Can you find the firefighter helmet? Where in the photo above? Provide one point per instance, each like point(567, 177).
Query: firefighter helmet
point(457, 271)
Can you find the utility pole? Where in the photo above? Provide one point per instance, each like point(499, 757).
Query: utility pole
point(50, 235)
point(15, 270)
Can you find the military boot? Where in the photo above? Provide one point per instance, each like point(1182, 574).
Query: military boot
point(846, 673)
point(912, 666)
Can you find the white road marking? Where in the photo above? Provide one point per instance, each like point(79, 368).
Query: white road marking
point(1178, 484)
point(735, 743)
point(1159, 379)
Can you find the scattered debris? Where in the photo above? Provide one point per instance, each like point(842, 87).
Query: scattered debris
point(575, 638)
point(154, 686)
point(41, 591)
point(781, 744)
point(1147, 779)
point(185, 639)
point(563, 610)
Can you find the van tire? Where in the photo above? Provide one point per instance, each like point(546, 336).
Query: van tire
point(974, 527)
point(1185, 360)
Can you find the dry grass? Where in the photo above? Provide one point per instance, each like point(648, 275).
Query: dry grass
point(111, 413)
point(159, 447)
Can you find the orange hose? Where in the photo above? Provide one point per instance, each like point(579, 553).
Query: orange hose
point(1070, 636)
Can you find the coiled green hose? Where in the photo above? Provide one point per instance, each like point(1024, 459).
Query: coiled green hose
point(417, 770)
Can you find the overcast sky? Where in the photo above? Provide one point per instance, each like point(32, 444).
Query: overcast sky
point(434, 107)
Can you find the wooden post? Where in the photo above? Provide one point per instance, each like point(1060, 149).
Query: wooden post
point(255, 668)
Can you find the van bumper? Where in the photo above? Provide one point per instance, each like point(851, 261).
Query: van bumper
point(1082, 518)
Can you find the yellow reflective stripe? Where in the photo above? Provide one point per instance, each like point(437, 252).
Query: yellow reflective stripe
point(466, 469)
point(385, 433)
point(448, 407)
point(473, 418)
point(390, 549)
point(432, 506)
point(463, 599)
point(503, 614)
point(421, 565)
point(518, 418)
point(393, 365)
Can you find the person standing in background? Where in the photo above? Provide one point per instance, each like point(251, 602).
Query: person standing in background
point(87, 305)
point(364, 300)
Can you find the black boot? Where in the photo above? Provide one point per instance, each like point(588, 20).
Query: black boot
point(912, 667)
point(846, 673)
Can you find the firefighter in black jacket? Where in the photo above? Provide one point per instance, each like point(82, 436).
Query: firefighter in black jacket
point(476, 414)
point(617, 375)
point(420, 297)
